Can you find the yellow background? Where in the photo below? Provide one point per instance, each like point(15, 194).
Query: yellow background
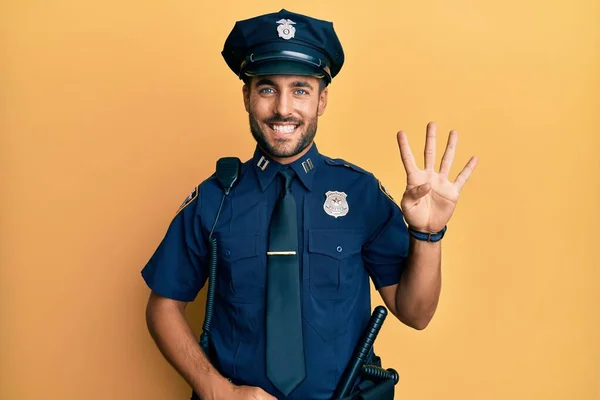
point(111, 112)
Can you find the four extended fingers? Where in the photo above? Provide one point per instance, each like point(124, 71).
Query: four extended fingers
point(410, 164)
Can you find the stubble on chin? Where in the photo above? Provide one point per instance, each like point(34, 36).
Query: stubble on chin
point(283, 147)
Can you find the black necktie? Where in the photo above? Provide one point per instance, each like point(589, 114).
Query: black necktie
point(285, 348)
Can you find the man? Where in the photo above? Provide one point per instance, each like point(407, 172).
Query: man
point(299, 235)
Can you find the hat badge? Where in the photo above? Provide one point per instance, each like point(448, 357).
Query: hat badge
point(285, 29)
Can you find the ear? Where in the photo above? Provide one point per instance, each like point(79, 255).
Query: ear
point(322, 101)
point(246, 95)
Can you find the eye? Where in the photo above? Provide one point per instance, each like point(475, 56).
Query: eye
point(266, 90)
point(301, 92)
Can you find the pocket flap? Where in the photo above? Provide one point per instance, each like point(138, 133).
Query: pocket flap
point(237, 247)
point(336, 243)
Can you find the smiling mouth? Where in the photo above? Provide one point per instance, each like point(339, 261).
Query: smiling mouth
point(283, 128)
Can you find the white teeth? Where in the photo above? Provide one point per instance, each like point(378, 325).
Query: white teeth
point(284, 128)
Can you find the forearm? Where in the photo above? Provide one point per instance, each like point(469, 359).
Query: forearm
point(420, 285)
point(176, 341)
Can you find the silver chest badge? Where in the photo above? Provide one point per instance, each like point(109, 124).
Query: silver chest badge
point(285, 29)
point(336, 204)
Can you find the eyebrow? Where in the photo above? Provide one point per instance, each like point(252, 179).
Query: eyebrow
point(265, 81)
point(302, 84)
point(269, 82)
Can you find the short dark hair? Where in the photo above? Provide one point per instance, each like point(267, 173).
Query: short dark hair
point(322, 82)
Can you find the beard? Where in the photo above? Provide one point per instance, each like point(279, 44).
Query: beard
point(282, 147)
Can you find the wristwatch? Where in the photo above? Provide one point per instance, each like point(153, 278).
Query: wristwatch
point(427, 237)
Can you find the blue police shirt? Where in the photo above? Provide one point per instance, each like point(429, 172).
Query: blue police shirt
point(349, 230)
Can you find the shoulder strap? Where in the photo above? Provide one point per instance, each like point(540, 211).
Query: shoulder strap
point(343, 163)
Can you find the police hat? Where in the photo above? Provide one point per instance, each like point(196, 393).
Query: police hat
point(284, 43)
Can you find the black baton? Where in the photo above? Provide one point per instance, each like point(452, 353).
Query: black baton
point(362, 350)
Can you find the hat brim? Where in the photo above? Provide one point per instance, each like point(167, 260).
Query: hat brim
point(283, 67)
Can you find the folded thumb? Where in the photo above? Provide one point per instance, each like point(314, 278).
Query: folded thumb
point(419, 191)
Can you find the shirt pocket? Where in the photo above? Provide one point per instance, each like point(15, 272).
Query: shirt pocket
point(335, 262)
point(240, 273)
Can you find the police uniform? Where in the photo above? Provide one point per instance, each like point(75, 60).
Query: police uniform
point(350, 231)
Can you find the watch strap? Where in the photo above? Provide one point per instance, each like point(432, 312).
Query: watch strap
point(427, 237)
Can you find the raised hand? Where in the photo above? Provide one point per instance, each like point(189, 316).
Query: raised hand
point(430, 197)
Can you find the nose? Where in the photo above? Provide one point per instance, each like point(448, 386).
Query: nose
point(283, 105)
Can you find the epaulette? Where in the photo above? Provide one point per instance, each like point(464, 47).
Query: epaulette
point(344, 163)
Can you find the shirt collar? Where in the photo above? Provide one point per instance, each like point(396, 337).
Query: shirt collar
point(266, 168)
